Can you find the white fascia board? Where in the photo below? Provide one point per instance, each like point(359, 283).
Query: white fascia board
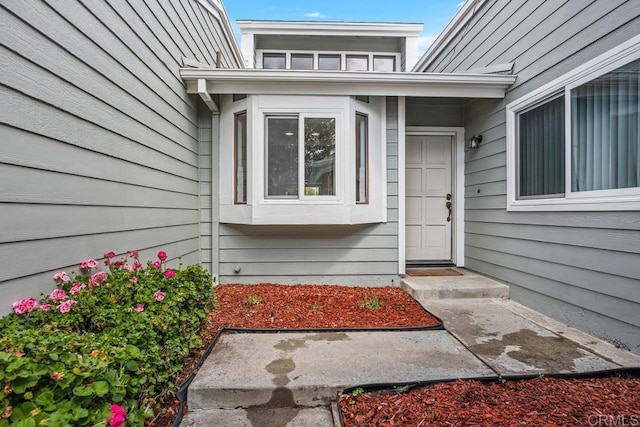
point(315, 28)
point(259, 81)
point(217, 10)
point(457, 24)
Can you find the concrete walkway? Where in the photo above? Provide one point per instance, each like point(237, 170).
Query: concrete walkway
point(290, 379)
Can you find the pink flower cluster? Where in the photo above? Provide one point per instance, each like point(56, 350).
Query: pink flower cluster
point(88, 264)
point(159, 296)
point(117, 417)
point(65, 307)
point(77, 287)
point(170, 273)
point(97, 278)
point(25, 305)
point(58, 295)
point(139, 308)
point(61, 277)
point(162, 256)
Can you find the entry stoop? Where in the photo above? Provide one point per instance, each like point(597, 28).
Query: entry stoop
point(468, 285)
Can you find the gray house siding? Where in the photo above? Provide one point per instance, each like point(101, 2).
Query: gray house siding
point(353, 255)
point(579, 267)
point(100, 142)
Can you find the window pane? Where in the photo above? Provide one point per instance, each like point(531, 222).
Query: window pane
point(605, 151)
point(320, 157)
point(328, 62)
point(384, 63)
point(362, 142)
point(282, 156)
point(357, 62)
point(240, 149)
point(301, 62)
point(541, 149)
point(274, 61)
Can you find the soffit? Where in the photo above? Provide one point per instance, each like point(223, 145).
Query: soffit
point(294, 82)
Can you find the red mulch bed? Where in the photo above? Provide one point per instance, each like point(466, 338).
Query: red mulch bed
point(540, 402)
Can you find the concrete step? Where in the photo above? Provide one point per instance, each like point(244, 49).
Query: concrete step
point(284, 370)
point(262, 417)
point(468, 285)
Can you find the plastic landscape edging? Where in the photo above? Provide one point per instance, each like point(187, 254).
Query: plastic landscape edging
point(403, 387)
point(181, 394)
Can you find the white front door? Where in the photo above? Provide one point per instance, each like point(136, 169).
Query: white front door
point(428, 198)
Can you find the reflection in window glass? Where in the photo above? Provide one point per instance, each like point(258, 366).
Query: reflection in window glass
point(301, 61)
point(357, 62)
point(240, 152)
point(328, 62)
point(320, 156)
point(384, 63)
point(282, 156)
point(362, 143)
point(274, 61)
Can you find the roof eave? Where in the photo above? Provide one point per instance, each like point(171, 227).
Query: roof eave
point(283, 82)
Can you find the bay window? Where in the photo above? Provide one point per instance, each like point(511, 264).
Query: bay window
point(302, 160)
point(575, 143)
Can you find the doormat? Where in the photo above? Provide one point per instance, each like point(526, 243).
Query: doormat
point(434, 272)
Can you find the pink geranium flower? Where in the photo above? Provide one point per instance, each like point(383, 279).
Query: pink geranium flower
point(58, 376)
point(134, 280)
point(76, 287)
point(159, 296)
point(128, 267)
point(88, 264)
point(139, 308)
point(25, 305)
point(133, 254)
point(58, 295)
point(110, 254)
point(156, 264)
point(65, 307)
point(117, 417)
point(61, 277)
point(137, 265)
point(97, 278)
point(45, 307)
point(170, 273)
point(162, 256)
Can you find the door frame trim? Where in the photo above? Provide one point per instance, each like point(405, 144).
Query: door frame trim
point(457, 183)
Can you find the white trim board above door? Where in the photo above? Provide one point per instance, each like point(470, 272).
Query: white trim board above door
point(456, 136)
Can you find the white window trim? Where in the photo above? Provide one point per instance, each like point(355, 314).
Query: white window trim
point(315, 53)
point(601, 200)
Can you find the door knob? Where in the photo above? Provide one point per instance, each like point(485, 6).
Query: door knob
point(449, 206)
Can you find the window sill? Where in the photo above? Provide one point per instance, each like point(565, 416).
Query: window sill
point(302, 214)
point(629, 203)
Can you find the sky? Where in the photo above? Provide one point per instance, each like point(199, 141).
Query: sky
point(434, 14)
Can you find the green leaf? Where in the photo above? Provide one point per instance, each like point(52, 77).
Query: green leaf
point(45, 399)
point(54, 356)
point(132, 366)
point(28, 422)
point(101, 388)
point(82, 391)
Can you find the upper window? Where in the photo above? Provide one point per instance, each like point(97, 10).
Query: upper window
point(276, 61)
point(575, 144)
point(310, 60)
point(384, 63)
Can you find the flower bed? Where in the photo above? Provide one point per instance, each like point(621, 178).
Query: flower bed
point(103, 346)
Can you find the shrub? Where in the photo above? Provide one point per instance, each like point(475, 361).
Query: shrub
point(101, 342)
